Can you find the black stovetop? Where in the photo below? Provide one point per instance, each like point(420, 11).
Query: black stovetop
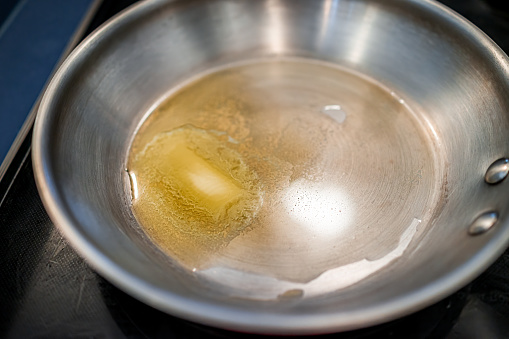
point(48, 291)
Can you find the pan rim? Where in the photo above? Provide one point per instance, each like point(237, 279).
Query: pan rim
point(226, 316)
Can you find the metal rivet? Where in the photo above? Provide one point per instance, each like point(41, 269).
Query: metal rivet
point(497, 171)
point(483, 223)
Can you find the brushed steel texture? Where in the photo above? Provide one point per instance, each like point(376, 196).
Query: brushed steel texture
point(436, 61)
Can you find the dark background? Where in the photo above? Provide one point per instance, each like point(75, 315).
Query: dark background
point(48, 291)
point(33, 36)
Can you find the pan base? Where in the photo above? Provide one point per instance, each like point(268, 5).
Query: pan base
point(349, 176)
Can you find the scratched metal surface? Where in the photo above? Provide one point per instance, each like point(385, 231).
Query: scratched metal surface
point(47, 290)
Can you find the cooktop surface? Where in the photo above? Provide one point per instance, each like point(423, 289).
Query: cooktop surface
point(48, 291)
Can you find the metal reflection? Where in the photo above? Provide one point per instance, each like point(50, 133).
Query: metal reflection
point(276, 32)
point(363, 34)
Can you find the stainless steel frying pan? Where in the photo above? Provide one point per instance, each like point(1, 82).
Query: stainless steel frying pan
point(423, 207)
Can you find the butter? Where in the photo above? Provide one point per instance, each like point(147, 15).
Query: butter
point(195, 192)
point(196, 180)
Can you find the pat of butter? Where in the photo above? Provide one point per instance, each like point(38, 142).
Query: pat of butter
point(191, 179)
point(199, 180)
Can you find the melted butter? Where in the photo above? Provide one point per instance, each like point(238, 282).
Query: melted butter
point(195, 192)
point(325, 148)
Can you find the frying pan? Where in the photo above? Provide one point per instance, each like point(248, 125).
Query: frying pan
point(417, 197)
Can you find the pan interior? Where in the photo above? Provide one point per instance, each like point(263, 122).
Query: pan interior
point(342, 177)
